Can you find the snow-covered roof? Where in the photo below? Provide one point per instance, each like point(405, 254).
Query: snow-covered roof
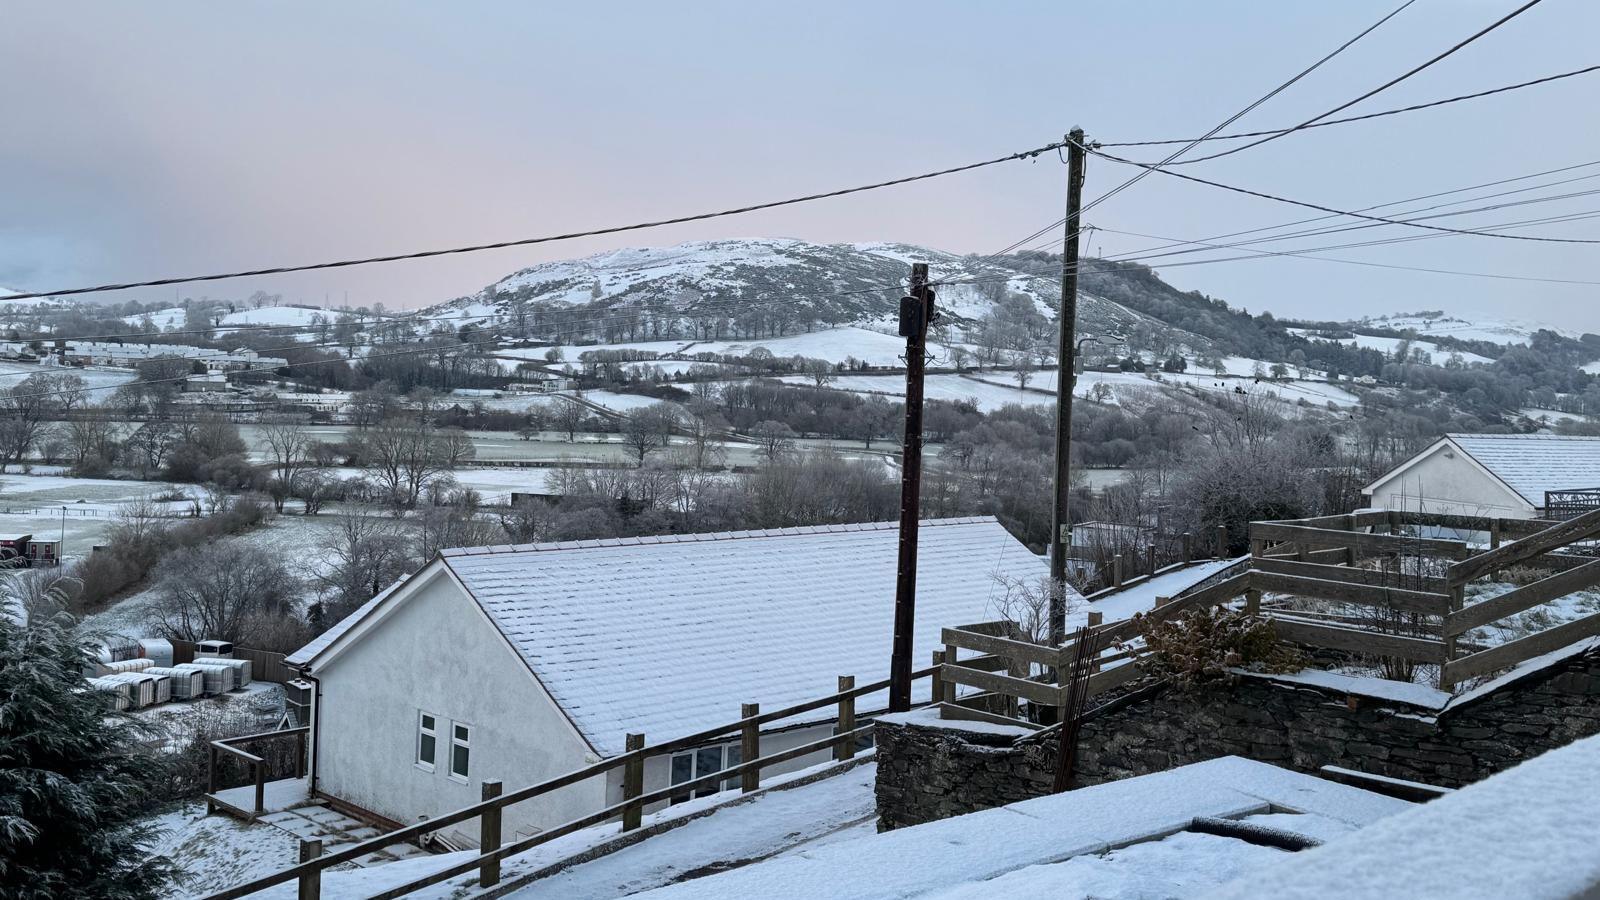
point(1120, 839)
point(1531, 464)
point(1527, 832)
point(668, 635)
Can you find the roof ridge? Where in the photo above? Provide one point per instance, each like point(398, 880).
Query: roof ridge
point(696, 537)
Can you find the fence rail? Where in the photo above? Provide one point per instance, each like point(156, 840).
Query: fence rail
point(489, 811)
point(1283, 562)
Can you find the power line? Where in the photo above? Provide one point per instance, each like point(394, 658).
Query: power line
point(1416, 199)
point(1344, 121)
point(1328, 209)
point(1377, 90)
point(523, 242)
point(1241, 113)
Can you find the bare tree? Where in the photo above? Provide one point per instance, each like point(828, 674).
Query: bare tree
point(773, 439)
point(367, 552)
point(288, 447)
point(214, 591)
point(568, 417)
point(404, 453)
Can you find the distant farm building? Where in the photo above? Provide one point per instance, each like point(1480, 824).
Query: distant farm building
point(1521, 476)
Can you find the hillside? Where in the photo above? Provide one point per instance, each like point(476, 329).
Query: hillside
point(769, 287)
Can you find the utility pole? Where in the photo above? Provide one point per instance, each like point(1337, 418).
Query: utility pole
point(1066, 380)
point(916, 312)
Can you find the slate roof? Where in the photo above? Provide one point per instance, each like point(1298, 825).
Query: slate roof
point(1531, 464)
point(668, 635)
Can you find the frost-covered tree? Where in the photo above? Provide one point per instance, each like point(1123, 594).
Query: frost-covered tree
point(73, 779)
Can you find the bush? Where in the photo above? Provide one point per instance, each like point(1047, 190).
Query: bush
point(1199, 647)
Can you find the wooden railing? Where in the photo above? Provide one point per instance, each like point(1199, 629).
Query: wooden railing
point(257, 764)
point(1038, 673)
point(1319, 558)
point(489, 811)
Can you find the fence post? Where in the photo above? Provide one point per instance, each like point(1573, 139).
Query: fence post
point(1095, 618)
point(1222, 542)
point(936, 693)
point(489, 836)
point(211, 769)
point(846, 748)
point(633, 783)
point(1252, 602)
point(750, 746)
point(1116, 571)
point(1188, 547)
point(310, 881)
point(1494, 534)
point(1150, 559)
point(258, 770)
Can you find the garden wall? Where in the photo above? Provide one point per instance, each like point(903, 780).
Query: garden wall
point(930, 770)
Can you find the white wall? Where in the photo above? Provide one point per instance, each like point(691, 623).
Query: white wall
point(658, 769)
point(1445, 481)
point(436, 652)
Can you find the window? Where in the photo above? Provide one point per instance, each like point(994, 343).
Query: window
point(460, 750)
point(427, 740)
point(699, 763)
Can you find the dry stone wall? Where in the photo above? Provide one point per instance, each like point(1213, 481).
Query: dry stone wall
point(931, 771)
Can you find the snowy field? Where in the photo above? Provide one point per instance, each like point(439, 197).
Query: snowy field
point(989, 396)
point(33, 504)
point(837, 345)
point(1387, 345)
point(1493, 330)
point(1317, 392)
point(98, 378)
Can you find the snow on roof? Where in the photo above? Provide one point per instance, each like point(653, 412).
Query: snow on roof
point(668, 635)
point(1528, 832)
point(1534, 463)
point(1028, 842)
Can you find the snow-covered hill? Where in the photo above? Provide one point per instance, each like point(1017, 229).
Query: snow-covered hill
point(1493, 330)
point(780, 285)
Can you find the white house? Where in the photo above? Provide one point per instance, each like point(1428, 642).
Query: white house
point(1499, 475)
point(520, 663)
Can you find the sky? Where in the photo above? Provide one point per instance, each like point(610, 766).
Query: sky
point(148, 140)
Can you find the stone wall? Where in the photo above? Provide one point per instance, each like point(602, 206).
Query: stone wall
point(929, 771)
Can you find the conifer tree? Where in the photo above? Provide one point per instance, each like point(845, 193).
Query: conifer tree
point(73, 778)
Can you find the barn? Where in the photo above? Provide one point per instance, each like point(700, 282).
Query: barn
point(1512, 476)
point(519, 663)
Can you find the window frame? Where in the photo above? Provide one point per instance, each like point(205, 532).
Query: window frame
point(465, 743)
point(424, 731)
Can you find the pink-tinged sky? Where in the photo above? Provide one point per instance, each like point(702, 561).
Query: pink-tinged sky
point(143, 140)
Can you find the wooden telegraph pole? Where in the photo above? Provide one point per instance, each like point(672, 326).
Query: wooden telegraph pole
point(916, 312)
point(1061, 525)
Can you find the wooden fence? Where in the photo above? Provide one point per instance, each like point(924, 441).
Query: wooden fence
point(1321, 558)
point(493, 850)
point(264, 664)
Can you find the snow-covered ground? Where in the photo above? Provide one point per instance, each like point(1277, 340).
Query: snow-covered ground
point(767, 823)
point(1117, 841)
point(987, 395)
point(1293, 390)
point(100, 379)
point(1440, 355)
point(1551, 416)
point(1493, 330)
point(33, 504)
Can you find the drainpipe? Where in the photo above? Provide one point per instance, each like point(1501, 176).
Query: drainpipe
point(316, 726)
